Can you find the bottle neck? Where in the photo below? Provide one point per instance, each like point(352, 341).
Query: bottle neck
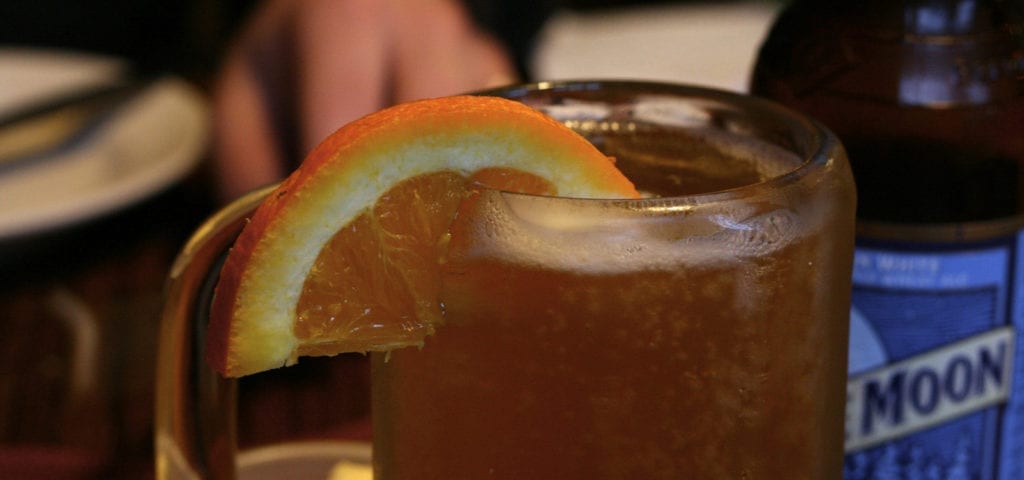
point(929, 53)
point(922, 17)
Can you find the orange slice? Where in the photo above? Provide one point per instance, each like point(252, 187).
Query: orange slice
point(344, 255)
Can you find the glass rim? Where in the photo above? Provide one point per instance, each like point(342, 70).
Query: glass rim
point(824, 144)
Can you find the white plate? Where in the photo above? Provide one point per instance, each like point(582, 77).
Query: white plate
point(29, 75)
point(153, 141)
point(323, 460)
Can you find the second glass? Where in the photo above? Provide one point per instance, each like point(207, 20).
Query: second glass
point(698, 333)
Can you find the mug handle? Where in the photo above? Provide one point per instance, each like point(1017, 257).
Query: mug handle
point(195, 417)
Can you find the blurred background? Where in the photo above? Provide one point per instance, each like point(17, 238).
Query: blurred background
point(111, 129)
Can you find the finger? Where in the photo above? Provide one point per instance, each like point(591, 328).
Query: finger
point(342, 49)
point(443, 56)
point(245, 155)
point(247, 150)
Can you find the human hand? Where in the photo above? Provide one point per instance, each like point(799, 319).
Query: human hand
point(303, 68)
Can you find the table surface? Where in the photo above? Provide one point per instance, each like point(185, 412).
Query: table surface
point(704, 44)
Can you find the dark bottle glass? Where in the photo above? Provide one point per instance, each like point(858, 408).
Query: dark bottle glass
point(928, 98)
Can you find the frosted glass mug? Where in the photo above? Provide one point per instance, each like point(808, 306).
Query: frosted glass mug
point(699, 332)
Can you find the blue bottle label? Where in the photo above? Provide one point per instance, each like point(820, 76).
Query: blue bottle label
point(936, 338)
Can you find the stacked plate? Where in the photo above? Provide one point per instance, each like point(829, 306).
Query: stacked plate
point(80, 138)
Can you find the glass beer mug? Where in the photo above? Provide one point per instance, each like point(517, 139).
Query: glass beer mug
point(699, 332)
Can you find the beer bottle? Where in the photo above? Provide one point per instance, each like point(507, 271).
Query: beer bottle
point(928, 98)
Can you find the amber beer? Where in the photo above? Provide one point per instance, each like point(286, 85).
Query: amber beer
point(698, 334)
